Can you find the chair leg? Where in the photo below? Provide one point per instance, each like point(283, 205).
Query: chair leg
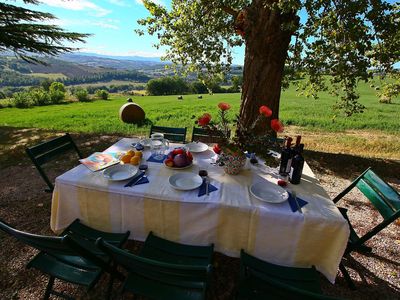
point(49, 288)
point(347, 277)
point(110, 286)
point(363, 249)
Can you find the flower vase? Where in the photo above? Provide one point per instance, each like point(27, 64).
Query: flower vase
point(233, 163)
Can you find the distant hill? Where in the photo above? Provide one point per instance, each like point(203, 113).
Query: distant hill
point(114, 62)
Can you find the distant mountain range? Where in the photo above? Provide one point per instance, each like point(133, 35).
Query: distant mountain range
point(114, 62)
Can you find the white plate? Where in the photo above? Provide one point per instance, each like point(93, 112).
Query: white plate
point(185, 181)
point(197, 147)
point(269, 192)
point(120, 172)
point(181, 168)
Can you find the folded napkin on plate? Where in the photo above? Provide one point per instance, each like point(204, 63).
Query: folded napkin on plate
point(292, 202)
point(152, 159)
point(202, 189)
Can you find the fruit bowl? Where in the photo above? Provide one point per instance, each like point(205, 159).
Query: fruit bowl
point(179, 158)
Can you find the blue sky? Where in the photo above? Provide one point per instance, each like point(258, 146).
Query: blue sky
point(112, 23)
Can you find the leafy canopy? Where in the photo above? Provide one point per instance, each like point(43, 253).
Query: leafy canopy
point(23, 32)
point(348, 40)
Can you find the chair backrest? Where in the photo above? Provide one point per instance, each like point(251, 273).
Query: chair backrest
point(203, 135)
point(304, 278)
point(51, 245)
point(170, 133)
point(385, 198)
point(57, 247)
point(46, 151)
point(193, 277)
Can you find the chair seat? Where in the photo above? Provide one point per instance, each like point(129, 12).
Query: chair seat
point(167, 251)
point(158, 290)
point(86, 274)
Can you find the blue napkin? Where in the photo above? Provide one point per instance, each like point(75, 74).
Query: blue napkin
point(143, 180)
point(202, 189)
point(293, 205)
point(152, 159)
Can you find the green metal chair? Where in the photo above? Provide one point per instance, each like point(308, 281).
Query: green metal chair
point(164, 269)
point(170, 133)
point(383, 197)
point(262, 280)
point(72, 258)
point(46, 151)
point(202, 135)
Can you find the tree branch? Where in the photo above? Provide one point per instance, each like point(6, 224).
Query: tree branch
point(230, 10)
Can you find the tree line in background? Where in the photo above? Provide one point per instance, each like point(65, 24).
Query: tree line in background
point(15, 79)
point(52, 93)
point(177, 85)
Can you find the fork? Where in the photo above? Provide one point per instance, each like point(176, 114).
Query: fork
point(297, 202)
point(207, 182)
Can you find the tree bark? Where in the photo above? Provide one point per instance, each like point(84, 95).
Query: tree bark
point(266, 51)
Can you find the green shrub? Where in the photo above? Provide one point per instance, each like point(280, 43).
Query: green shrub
point(82, 95)
point(39, 97)
point(22, 100)
point(102, 94)
point(57, 92)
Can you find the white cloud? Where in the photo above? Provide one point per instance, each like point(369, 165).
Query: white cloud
point(159, 2)
point(101, 50)
point(119, 3)
point(89, 6)
point(104, 23)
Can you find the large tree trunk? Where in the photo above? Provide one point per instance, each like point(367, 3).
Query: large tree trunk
point(266, 51)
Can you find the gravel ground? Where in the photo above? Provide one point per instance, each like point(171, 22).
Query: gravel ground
point(25, 205)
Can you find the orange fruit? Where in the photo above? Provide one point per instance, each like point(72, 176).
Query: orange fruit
point(135, 160)
point(126, 158)
point(131, 152)
point(138, 153)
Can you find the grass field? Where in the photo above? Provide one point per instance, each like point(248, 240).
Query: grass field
point(377, 128)
point(53, 76)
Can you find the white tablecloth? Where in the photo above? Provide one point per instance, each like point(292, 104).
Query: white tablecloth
point(230, 217)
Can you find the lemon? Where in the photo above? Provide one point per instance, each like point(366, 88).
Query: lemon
point(138, 153)
point(126, 158)
point(135, 160)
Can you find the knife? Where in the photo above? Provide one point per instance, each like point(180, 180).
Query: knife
point(297, 202)
point(207, 184)
point(134, 180)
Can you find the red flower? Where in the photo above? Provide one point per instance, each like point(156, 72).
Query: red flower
point(217, 149)
point(276, 125)
point(204, 120)
point(265, 111)
point(224, 106)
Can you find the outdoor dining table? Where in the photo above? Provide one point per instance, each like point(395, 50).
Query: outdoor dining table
point(229, 217)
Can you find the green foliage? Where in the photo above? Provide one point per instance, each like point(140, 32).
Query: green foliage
point(22, 100)
point(390, 90)
point(56, 92)
point(102, 94)
point(82, 95)
point(167, 86)
point(24, 32)
point(344, 39)
point(40, 97)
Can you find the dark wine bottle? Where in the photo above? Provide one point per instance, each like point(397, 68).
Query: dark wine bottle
point(297, 145)
point(296, 169)
point(286, 158)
